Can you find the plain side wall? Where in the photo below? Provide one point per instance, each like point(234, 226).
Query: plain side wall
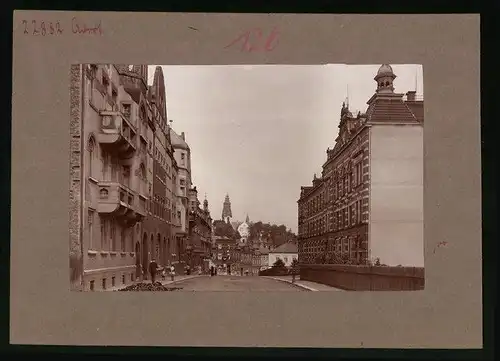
point(396, 195)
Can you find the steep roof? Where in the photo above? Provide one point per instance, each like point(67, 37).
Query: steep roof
point(286, 248)
point(178, 141)
point(390, 110)
point(417, 108)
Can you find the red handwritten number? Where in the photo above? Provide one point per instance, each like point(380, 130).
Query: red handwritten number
point(269, 45)
point(272, 38)
point(42, 26)
point(247, 46)
point(25, 27)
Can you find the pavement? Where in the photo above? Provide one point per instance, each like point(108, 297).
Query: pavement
point(308, 285)
point(235, 284)
point(165, 282)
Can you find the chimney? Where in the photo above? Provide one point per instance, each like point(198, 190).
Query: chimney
point(183, 136)
point(410, 96)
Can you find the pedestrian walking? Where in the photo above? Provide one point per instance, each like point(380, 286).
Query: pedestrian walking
point(172, 272)
point(153, 267)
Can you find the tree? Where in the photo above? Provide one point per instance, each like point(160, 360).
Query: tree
point(279, 263)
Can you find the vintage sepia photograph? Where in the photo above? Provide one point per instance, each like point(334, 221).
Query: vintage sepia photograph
point(246, 177)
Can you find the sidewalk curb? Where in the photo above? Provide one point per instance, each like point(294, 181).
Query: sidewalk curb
point(166, 283)
point(291, 283)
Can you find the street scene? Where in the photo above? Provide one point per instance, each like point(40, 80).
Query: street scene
point(271, 181)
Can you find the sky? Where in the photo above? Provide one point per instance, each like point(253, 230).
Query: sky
point(260, 132)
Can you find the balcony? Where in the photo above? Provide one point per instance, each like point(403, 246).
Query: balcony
point(117, 135)
point(121, 202)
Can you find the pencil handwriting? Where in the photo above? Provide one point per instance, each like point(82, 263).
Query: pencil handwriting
point(42, 28)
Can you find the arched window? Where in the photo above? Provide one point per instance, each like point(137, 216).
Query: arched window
point(142, 171)
point(91, 154)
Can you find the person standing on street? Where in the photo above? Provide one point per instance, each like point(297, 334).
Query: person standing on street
point(172, 272)
point(153, 266)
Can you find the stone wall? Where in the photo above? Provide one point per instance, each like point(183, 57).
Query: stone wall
point(365, 278)
point(75, 252)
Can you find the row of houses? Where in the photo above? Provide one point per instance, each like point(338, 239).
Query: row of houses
point(131, 195)
point(228, 254)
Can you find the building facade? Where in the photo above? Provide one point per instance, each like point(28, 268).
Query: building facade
point(123, 176)
point(182, 156)
point(158, 229)
point(367, 204)
point(199, 247)
point(287, 252)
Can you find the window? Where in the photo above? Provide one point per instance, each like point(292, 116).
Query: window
point(123, 237)
point(359, 173)
point(105, 82)
point(91, 154)
point(126, 110)
point(104, 232)
point(103, 283)
point(90, 223)
point(285, 259)
point(106, 161)
point(123, 279)
point(114, 96)
point(113, 281)
point(113, 236)
point(92, 285)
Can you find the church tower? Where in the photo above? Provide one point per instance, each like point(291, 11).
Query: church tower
point(226, 210)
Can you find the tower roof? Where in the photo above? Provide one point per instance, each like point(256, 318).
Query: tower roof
point(226, 208)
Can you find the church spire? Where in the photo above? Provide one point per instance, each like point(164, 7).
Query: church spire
point(226, 209)
point(247, 220)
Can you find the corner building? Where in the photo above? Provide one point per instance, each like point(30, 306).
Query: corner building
point(368, 201)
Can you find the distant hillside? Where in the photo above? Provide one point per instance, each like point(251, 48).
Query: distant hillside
point(224, 229)
point(276, 234)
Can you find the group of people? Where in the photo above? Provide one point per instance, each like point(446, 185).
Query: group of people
point(153, 270)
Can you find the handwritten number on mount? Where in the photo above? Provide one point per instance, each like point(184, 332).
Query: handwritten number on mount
point(45, 28)
point(255, 43)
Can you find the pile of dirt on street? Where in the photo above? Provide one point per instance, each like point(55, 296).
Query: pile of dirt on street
point(157, 286)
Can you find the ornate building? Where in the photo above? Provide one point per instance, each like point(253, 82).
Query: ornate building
point(159, 226)
point(182, 155)
point(368, 202)
point(200, 232)
point(123, 187)
point(244, 231)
